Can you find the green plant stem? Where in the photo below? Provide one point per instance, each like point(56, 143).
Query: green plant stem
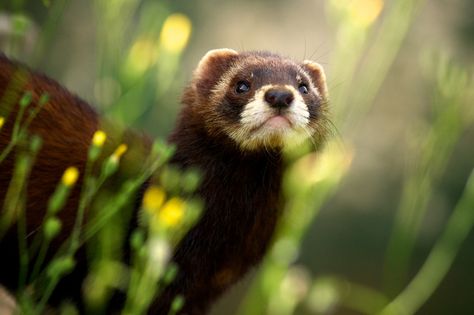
point(15, 134)
point(12, 92)
point(7, 150)
point(300, 212)
point(14, 208)
point(141, 289)
point(22, 246)
point(47, 293)
point(83, 202)
point(19, 129)
point(111, 210)
point(126, 190)
point(444, 133)
point(22, 197)
point(12, 201)
point(48, 29)
point(354, 296)
point(440, 259)
point(40, 259)
point(380, 58)
point(356, 39)
point(364, 300)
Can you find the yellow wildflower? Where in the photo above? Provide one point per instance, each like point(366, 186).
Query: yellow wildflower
point(70, 176)
point(362, 12)
point(99, 138)
point(153, 199)
point(172, 212)
point(329, 165)
point(143, 54)
point(365, 12)
point(121, 149)
point(2, 121)
point(175, 32)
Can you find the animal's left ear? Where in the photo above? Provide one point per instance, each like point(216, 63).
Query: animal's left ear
point(316, 72)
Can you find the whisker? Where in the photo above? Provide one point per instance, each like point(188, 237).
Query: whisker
point(317, 50)
point(333, 129)
point(310, 136)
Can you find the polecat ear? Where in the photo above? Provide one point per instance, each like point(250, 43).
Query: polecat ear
point(211, 68)
point(316, 72)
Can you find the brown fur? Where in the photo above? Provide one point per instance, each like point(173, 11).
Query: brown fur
point(66, 136)
point(240, 188)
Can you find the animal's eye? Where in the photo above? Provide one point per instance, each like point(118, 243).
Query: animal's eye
point(242, 87)
point(303, 88)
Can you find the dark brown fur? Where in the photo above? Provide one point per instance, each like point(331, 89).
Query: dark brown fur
point(241, 193)
point(241, 189)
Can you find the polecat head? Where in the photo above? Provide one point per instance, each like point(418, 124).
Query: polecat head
point(260, 100)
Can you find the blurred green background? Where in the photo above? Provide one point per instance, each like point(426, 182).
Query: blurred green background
point(115, 55)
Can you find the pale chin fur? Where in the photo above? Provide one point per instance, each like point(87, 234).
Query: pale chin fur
point(253, 133)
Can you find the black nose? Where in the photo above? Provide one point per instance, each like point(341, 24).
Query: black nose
point(279, 98)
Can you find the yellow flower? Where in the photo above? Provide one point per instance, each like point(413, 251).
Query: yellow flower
point(365, 12)
point(2, 121)
point(172, 212)
point(99, 138)
point(175, 32)
point(361, 12)
point(143, 54)
point(70, 176)
point(121, 149)
point(331, 164)
point(153, 199)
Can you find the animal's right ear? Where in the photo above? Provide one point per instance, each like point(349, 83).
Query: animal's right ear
point(211, 67)
point(316, 72)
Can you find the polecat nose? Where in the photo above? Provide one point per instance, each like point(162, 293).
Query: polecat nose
point(279, 98)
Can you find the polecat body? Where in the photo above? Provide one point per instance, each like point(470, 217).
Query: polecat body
point(238, 113)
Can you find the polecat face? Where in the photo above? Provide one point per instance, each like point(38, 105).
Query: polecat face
point(261, 100)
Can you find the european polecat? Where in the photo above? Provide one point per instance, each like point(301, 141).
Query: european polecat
point(239, 111)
